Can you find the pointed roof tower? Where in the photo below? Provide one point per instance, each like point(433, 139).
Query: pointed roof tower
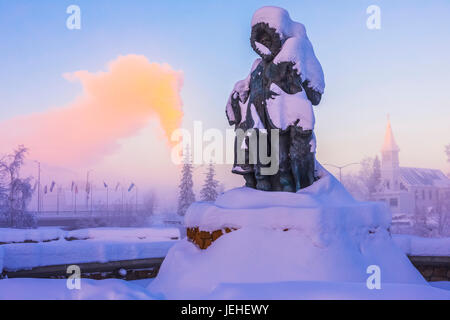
point(389, 141)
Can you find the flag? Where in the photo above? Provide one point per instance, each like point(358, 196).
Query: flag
point(104, 183)
point(76, 189)
point(52, 186)
point(88, 187)
point(131, 187)
point(73, 185)
point(35, 186)
point(118, 185)
point(45, 190)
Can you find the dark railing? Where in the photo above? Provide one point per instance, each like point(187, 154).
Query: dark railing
point(431, 268)
point(126, 269)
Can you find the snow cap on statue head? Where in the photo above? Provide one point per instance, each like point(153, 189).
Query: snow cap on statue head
point(276, 23)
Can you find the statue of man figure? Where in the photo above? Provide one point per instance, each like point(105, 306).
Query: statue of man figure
point(279, 93)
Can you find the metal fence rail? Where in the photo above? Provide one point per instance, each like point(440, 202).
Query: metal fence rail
point(135, 269)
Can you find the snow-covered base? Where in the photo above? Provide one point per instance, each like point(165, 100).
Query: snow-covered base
point(331, 237)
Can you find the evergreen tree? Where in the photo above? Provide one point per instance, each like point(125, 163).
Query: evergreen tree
point(209, 190)
point(186, 196)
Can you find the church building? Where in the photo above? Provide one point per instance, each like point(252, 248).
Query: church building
point(409, 190)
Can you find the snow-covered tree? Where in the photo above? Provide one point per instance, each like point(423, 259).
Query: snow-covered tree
point(209, 190)
point(15, 192)
point(366, 181)
point(186, 196)
point(375, 177)
point(149, 203)
point(356, 186)
point(447, 151)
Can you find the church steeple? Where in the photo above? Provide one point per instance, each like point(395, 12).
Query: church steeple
point(389, 142)
point(389, 159)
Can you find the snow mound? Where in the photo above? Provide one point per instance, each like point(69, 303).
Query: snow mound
point(318, 234)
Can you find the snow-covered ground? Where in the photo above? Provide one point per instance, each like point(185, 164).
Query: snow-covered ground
point(31, 255)
point(418, 246)
point(305, 290)
point(104, 245)
point(316, 244)
point(44, 289)
point(9, 235)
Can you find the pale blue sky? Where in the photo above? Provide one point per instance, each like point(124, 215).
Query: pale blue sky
point(402, 69)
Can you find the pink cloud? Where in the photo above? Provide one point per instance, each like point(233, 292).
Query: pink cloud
point(115, 104)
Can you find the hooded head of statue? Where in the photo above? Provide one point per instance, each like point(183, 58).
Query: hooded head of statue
point(271, 26)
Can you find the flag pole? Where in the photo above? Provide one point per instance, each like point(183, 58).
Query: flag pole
point(136, 200)
point(57, 200)
point(92, 196)
point(107, 201)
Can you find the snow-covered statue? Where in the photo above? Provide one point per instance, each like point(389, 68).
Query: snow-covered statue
point(279, 93)
point(319, 234)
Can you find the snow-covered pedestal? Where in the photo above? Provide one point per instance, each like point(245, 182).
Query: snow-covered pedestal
point(318, 234)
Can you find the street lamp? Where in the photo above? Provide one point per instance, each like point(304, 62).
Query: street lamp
point(39, 187)
point(341, 167)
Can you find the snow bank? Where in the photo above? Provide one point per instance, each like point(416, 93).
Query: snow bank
point(45, 289)
point(102, 245)
point(126, 233)
point(418, 246)
point(8, 235)
point(31, 255)
point(331, 237)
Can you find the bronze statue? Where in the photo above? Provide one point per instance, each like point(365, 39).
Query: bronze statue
point(277, 95)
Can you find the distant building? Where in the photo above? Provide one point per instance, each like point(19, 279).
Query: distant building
point(409, 190)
